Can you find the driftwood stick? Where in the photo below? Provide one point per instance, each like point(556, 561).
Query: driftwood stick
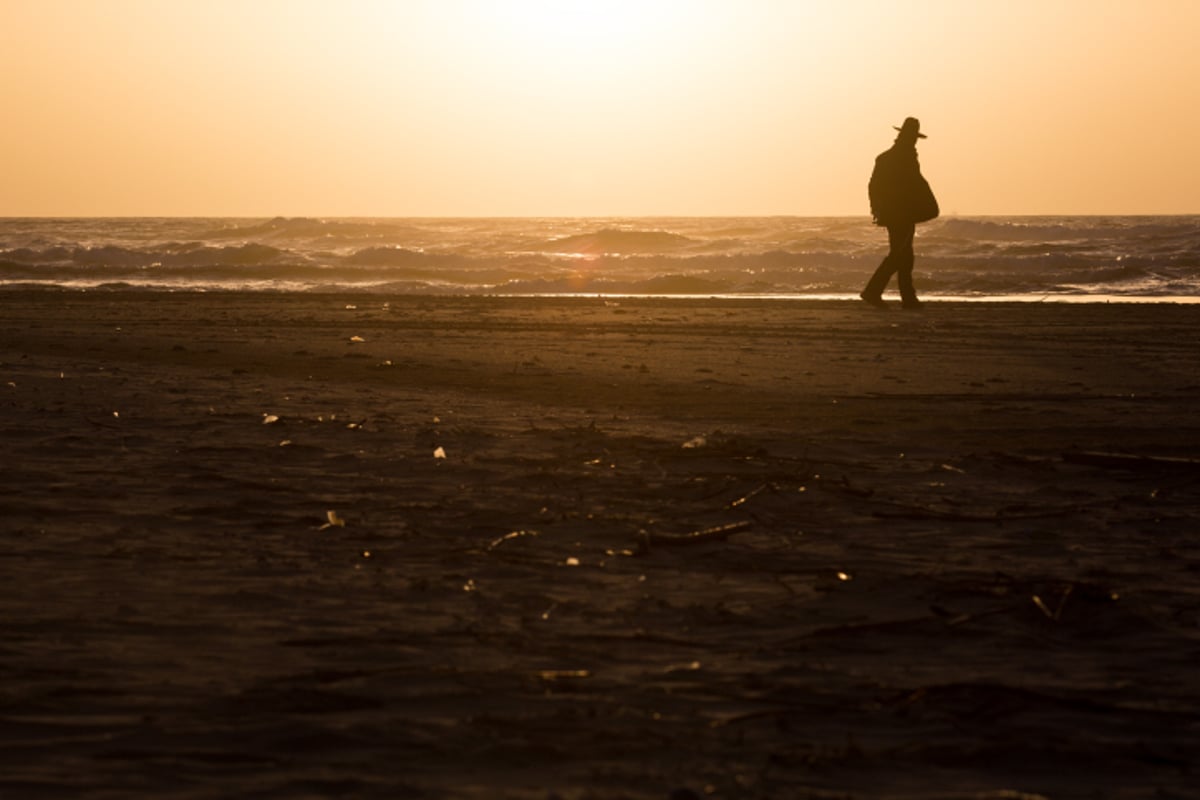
point(718, 533)
point(746, 498)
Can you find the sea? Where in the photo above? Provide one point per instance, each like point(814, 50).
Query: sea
point(1088, 259)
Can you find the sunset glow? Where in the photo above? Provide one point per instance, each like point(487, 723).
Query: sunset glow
point(583, 107)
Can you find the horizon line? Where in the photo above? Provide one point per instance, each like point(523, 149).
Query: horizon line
point(954, 215)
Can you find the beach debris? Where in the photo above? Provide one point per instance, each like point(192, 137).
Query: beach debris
point(357, 339)
point(718, 533)
point(439, 453)
point(691, 666)
point(470, 586)
point(1056, 614)
point(334, 521)
point(351, 307)
point(508, 537)
point(559, 674)
point(285, 443)
point(1037, 601)
point(270, 419)
point(695, 442)
point(844, 576)
point(572, 561)
point(12, 384)
point(1043, 601)
point(741, 501)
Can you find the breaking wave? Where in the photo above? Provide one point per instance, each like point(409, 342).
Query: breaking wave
point(1134, 256)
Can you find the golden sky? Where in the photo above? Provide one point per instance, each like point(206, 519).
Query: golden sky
point(593, 107)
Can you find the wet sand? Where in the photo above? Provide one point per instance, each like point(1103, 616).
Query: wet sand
point(284, 546)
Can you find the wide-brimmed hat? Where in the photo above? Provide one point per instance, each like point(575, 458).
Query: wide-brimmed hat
point(911, 127)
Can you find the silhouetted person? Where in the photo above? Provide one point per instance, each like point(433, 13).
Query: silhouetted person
point(900, 198)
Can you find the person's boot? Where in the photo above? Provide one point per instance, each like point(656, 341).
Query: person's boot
point(872, 299)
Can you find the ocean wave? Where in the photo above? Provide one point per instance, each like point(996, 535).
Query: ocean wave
point(171, 254)
point(1154, 256)
point(310, 228)
point(402, 257)
point(612, 241)
point(1006, 231)
point(1044, 232)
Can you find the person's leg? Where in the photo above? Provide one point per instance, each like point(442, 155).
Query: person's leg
point(873, 292)
point(900, 238)
point(898, 260)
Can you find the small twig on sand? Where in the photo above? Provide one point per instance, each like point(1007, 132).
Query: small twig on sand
point(718, 533)
point(1056, 614)
point(746, 498)
point(1130, 461)
point(508, 537)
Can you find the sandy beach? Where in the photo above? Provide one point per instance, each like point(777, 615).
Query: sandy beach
point(302, 545)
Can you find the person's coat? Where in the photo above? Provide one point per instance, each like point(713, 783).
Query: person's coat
point(898, 192)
